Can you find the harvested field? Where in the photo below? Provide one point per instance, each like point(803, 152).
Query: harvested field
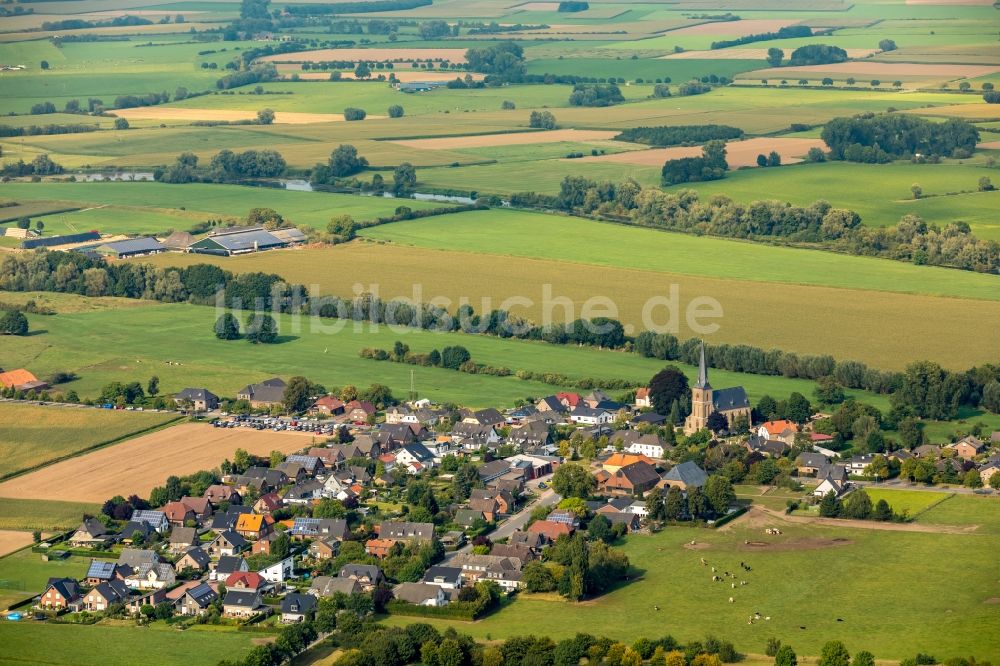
point(736, 28)
point(885, 69)
point(371, 55)
point(985, 111)
point(172, 113)
point(746, 54)
point(989, 145)
point(512, 139)
point(739, 153)
point(11, 540)
point(136, 466)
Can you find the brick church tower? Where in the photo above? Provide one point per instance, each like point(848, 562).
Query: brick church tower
point(701, 399)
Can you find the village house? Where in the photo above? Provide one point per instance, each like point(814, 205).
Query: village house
point(550, 530)
point(358, 411)
point(241, 603)
point(858, 465)
point(636, 443)
point(618, 460)
point(267, 504)
point(585, 415)
point(227, 566)
point(422, 533)
point(334, 528)
point(297, 607)
point(150, 576)
point(100, 571)
point(631, 479)
point(642, 398)
point(810, 463)
point(473, 436)
point(196, 600)
point(683, 476)
point(194, 559)
point(328, 405)
point(488, 416)
point(142, 598)
point(268, 393)
point(91, 534)
point(200, 400)
point(450, 578)
point(106, 594)
point(380, 548)
point(770, 448)
point(279, 572)
point(367, 575)
point(327, 586)
point(60, 593)
point(968, 447)
point(21, 380)
point(730, 402)
point(183, 538)
point(245, 580)
point(227, 543)
point(783, 431)
point(226, 520)
point(304, 492)
point(155, 519)
point(134, 532)
point(219, 493)
point(420, 594)
point(324, 549)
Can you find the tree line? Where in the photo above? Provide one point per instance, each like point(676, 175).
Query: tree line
point(787, 32)
point(838, 229)
point(676, 135)
point(880, 138)
point(924, 390)
point(40, 130)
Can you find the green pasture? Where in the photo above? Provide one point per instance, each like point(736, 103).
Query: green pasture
point(80, 645)
point(786, 572)
point(679, 70)
point(17, 514)
point(912, 502)
point(25, 568)
point(966, 511)
point(209, 201)
point(572, 239)
point(118, 220)
point(949, 191)
point(137, 343)
point(32, 435)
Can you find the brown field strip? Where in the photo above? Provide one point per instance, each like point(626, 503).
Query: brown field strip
point(138, 465)
point(970, 3)
point(738, 153)
point(173, 113)
point(404, 75)
point(985, 111)
point(736, 28)
point(11, 540)
point(382, 55)
point(922, 326)
point(512, 139)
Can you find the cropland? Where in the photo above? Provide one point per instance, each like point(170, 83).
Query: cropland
point(490, 168)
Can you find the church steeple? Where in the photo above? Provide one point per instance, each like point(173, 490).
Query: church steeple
point(702, 370)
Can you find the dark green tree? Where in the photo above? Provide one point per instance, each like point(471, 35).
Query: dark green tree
point(227, 327)
point(13, 322)
point(666, 386)
point(261, 329)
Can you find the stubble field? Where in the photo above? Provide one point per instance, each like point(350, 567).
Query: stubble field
point(138, 465)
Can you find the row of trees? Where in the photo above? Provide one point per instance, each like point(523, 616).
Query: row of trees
point(832, 228)
point(711, 165)
point(786, 32)
point(596, 95)
point(259, 328)
point(676, 135)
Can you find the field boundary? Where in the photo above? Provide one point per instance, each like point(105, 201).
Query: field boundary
point(90, 449)
point(945, 498)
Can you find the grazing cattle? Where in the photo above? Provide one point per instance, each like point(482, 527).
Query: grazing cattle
point(731, 600)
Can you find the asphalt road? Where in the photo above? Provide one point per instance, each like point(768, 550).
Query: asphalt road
point(548, 497)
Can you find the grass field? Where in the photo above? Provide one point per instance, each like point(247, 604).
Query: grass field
point(921, 325)
point(25, 568)
point(646, 249)
point(862, 573)
point(139, 341)
point(31, 435)
point(913, 502)
point(76, 645)
point(19, 514)
point(208, 201)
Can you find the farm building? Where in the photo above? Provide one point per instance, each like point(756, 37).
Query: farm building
point(21, 380)
point(17, 232)
point(178, 240)
point(419, 86)
point(228, 242)
point(133, 247)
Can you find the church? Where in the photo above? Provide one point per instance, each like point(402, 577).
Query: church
point(730, 402)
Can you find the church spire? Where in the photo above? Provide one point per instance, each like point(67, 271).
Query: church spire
point(702, 370)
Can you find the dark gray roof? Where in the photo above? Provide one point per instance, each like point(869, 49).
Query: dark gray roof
point(448, 574)
point(687, 473)
point(196, 394)
point(230, 564)
point(198, 555)
point(203, 594)
point(133, 246)
point(240, 241)
point(233, 538)
point(298, 603)
point(242, 598)
point(730, 398)
point(369, 571)
point(101, 569)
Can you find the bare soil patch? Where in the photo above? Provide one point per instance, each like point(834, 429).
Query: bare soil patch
point(884, 69)
point(746, 54)
point(808, 543)
point(871, 524)
point(990, 145)
point(739, 153)
point(11, 540)
point(538, 6)
point(512, 139)
point(137, 465)
point(736, 28)
point(697, 545)
point(992, 601)
point(174, 113)
point(370, 55)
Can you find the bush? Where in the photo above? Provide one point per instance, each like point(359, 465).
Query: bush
point(395, 111)
point(542, 120)
point(351, 113)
